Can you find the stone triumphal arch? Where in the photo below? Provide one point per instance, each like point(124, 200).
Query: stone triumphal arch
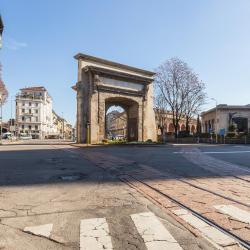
point(102, 84)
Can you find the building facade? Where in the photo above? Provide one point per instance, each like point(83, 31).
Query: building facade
point(164, 120)
point(62, 129)
point(223, 116)
point(116, 124)
point(34, 112)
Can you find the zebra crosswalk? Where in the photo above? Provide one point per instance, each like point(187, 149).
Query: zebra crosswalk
point(154, 234)
point(96, 233)
point(235, 212)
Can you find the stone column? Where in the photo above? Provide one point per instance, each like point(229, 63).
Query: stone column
point(149, 115)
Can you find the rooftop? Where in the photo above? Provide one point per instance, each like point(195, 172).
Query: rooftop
point(227, 107)
point(89, 58)
point(35, 88)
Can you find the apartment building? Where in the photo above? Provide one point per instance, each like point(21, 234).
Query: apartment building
point(34, 112)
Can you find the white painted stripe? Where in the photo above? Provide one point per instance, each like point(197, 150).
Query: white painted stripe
point(208, 231)
point(214, 152)
point(41, 230)
point(154, 234)
point(94, 234)
point(235, 212)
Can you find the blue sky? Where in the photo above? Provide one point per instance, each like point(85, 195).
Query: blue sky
point(41, 38)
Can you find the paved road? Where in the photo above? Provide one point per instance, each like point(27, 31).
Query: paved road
point(62, 197)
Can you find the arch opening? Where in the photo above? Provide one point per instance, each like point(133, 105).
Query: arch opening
point(121, 119)
point(116, 121)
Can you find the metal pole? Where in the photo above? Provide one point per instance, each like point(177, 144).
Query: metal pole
point(1, 130)
point(216, 129)
point(11, 111)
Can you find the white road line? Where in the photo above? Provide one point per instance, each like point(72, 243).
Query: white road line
point(235, 212)
point(211, 233)
point(94, 234)
point(215, 152)
point(41, 230)
point(154, 234)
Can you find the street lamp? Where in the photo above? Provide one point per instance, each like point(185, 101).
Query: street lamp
point(216, 129)
point(1, 114)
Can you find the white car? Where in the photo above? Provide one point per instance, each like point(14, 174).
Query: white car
point(25, 137)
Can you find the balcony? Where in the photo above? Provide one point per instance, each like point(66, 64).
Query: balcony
point(28, 97)
point(28, 122)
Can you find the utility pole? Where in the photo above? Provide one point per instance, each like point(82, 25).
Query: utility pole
point(63, 126)
point(1, 130)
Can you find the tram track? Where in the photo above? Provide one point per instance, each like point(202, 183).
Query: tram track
point(241, 241)
point(109, 163)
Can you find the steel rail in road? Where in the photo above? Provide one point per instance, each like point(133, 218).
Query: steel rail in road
point(241, 241)
point(121, 176)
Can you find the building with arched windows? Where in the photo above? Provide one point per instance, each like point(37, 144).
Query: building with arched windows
point(164, 120)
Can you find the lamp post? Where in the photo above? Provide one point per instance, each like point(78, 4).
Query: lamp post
point(216, 128)
point(1, 114)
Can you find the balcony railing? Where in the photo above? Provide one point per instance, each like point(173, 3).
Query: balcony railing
point(30, 97)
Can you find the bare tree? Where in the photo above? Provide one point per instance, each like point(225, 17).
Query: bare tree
point(3, 93)
point(160, 107)
point(181, 89)
point(195, 99)
point(3, 100)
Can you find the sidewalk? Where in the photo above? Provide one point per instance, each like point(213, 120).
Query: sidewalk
point(36, 142)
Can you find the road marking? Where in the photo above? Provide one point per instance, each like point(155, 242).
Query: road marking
point(94, 234)
point(208, 231)
point(235, 212)
point(41, 230)
point(154, 234)
point(214, 152)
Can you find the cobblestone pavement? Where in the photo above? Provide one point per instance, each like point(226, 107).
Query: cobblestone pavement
point(223, 196)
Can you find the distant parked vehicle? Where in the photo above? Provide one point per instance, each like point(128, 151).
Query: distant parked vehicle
point(117, 137)
point(7, 135)
point(25, 137)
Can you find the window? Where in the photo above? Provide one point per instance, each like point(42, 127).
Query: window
point(29, 111)
point(23, 110)
point(36, 104)
point(36, 119)
point(36, 127)
point(22, 126)
point(29, 127)
point(23, 103)
point(22, 118)
point(36, 111)
point(29, 103)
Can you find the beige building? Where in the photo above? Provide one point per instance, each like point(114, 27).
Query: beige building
point(62, 129)
point(102, 84)
point(219, 119)
point(116, 124)
point(165, 120)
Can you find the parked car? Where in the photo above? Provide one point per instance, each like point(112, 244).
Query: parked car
point(25, 137)
point(7, 135)
point(117, 137)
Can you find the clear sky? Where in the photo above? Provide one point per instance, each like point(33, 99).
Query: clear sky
point(41, 38)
